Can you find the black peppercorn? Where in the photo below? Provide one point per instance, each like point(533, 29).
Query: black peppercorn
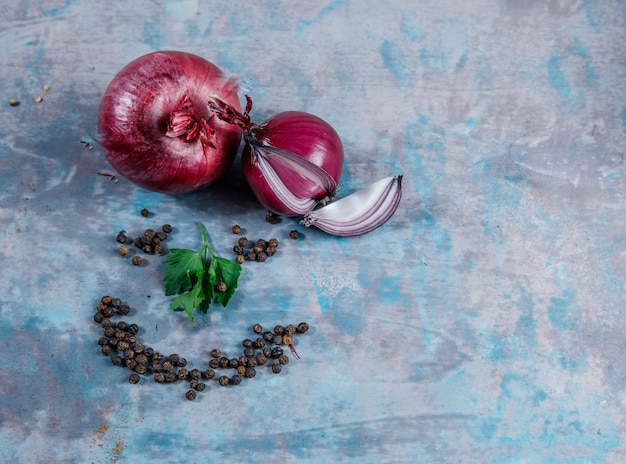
point(302, 327)
point(156, 241)
point(108, 312)
point(247, 343)
point(259, 342)
point(239, 259)
point(149, 352)
point(141, 369)
point(156, 367)
point(208, 374)
point(283, 359)
point(279, 329)
point(261, 257)
point(106, 322)
point(276, 351)
point(249, 352)
point(251, 256)
point(241, 370)
point(103, 341)
point(131, 364)
point(257, 328)
point(144, 212)
point(133, 329)
point(276, 367)
point(182, 362)
point(223, 361)
point(123, 309)
point(121, 236)
point(117, 360)
point(195, 374)
point(113, 342)
point(167, 366)
point(159, 249)
point(267, 352)
point(137, 242)
point(106, 300)
point(236, 229)
point(216, 353)
point(173, 358)
point(233, 363)
point(221, 287)
point(238, 250)
point(170, 377)
point(243, 361)
point(129, 353)
point(157, 357)
point(294, 234)
point(147, 249)
point(278, 339)
point(223, 381)
point(109, 332)
point(201, 386)
point(116, 302)
point(258, 249)
point(123, 251)
point(141, 358)
point(235, 379)
point(214, 364)
point(273, 243)
point(250, 372)
point(122, 345)
point(290, 329)
point(131, 339)
point(121, 325)
point(182, 374)
point(252, 362)
point(139, 348)
point(166, 228)
point(137, 260)
point(162, 236)
point(242, 242)
point(268, 336)
point(149, 234)
point(191, 395)
point(271, 251)
point(261, 359)
point(134, 378)
point(159, 377)
point(98, 317)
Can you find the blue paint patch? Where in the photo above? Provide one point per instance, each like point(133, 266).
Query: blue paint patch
point(395, 62)
point(433, 60)
point(462, 61)
point(332, 6)
point(561, 313)
point(389, 290)
point(469, 124)
point(557, 78)
point(413, 29)
point(591, 74)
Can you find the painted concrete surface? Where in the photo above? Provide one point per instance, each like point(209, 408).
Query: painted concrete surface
point(483, 323)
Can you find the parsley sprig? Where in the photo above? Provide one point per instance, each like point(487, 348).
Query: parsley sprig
point(195, 276)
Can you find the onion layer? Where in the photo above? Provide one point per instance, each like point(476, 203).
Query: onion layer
point(156, 128)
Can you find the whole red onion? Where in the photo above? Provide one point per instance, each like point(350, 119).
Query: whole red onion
point(156, 128)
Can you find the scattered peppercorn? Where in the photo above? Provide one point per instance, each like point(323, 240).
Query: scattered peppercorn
point(239, 259)
point(134, 378)
point(182, 362)
point(191, 395)
point(276, 367)
point(247, 343)
point(223, 381)
point(208, 374)
point(137, 260)
point(276, 351)
point(250, 372)
point(283, 359)
point(170, 377)
point(257, 328)
point(14, 102)
point(201, 386)
point(121, 236)
point(214, 364)
point(166, 228)
point(294, 234)
point(116, 360)
point(144, 212)
point(243, 242)
point(236, 229)
point(235, 379)
point(302, 327)
point(195, 374)
point(221, 287)
point(279, 329)
point(216, 353)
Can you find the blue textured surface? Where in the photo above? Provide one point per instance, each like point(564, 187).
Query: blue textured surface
point(483, 323)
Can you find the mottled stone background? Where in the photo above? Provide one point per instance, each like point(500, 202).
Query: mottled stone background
point(483, 323)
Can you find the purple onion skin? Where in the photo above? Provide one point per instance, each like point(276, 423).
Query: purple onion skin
point(303, 134)
point(136, 113)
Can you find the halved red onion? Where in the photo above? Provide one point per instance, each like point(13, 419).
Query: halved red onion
point(292, 161)
point(155, 126)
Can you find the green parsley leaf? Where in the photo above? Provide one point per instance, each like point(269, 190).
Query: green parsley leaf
point(187, 276)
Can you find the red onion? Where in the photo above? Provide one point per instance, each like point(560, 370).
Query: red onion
point(291, 161)
point(156, 128)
